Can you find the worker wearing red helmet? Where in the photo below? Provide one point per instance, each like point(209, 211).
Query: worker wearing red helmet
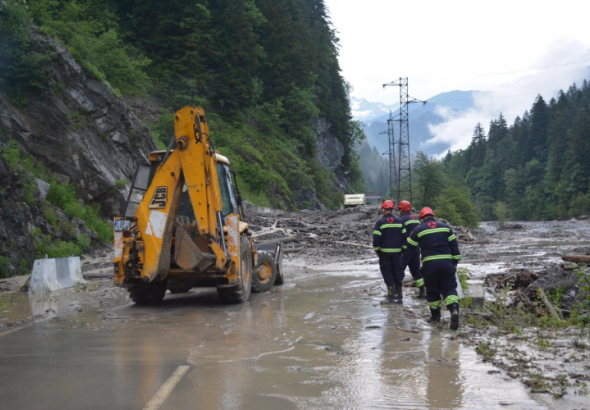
point(440, 256)
point(411, 257)
point(389, 240)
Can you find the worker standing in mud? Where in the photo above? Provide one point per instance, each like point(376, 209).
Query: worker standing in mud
point(389, 240)
point(411, 257)
point(440, 256)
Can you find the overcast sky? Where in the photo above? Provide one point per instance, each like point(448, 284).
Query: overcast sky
point(442, 44)
point(445, 45)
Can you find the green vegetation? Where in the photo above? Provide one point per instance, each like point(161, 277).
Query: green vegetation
point(4, 266)
point(501, 212)
point(269, 62)
point(62, 196)
point(89, 30)
point(21, 72)
point(436, 186)
point(556, 296)
point(538, 166)
point(463, 274)
point(487, 350)
point(584, 287)
point(56, 248)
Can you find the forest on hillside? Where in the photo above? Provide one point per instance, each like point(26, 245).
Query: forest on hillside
point(262, 69)
point(538, 168)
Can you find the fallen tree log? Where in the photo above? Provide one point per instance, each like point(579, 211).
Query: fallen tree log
point(284, 240)
point(511, 227)
point(577, 258)
point(548, 304)
point(292, 250)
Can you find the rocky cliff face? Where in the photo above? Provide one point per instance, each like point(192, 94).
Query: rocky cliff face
point(80, 130)
point(330, 152)
point(84, 135)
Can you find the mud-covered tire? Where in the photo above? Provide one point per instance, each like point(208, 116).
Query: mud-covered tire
point(180, 285)
point(148, 293)
point(265, 273)
point(280, 279)
point(241, 292)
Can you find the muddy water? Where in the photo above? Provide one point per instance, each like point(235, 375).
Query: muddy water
point(322, 341)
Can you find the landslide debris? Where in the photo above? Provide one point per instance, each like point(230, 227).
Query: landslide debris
point(327, 236)
point(320, 236)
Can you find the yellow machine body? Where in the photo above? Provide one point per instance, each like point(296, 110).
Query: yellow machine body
point(156, 242)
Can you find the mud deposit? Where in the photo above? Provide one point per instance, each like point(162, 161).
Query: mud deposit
point(321, 341)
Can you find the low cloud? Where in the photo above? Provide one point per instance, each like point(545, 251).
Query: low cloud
point(513, 98)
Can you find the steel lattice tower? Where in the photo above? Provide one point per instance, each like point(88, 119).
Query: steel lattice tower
point(404, 174)
point(393, 171)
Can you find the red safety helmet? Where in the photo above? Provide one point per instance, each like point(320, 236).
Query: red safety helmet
point(388, 204)
point(405, 206)
point(425, 212)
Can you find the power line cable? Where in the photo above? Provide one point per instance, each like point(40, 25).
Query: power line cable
point(504, 72)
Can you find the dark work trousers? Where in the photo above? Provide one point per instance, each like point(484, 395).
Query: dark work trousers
point(391, 265)
point(440, 280)
point(411, 258)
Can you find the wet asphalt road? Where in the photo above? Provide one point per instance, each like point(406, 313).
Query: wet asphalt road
point(321, 341)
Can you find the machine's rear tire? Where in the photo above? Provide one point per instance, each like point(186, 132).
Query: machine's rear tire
point(180, 285)
point(265, 274)
point(241, 292)
point(148, 293)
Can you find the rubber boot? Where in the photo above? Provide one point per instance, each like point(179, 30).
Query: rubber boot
point(390, 294)
point(434, 316)
point(454, 309)
point(399, 296)
point(422, 294)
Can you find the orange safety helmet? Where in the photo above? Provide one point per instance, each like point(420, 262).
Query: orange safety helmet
point(425, 212)
point(405, 206)
point(388, 204)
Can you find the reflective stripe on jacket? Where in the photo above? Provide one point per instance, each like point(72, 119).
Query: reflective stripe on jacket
point(436, 240)
point(389, 235)
point(410, 222)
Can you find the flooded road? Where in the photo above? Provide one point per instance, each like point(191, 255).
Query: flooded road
point(321, 341)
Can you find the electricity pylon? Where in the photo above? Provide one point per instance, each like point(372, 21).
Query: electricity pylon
point(404, 174)
point(393, 171)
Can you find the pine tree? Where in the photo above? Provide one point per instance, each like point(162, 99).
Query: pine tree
point(580, 151)
point(478, 146)
point(238, 54)
point(538, 133)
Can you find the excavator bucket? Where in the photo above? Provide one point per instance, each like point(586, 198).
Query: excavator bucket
point(187, 254)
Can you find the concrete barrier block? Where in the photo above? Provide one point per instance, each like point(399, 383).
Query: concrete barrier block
point(50, 275)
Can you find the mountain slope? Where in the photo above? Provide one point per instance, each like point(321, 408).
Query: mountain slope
point(420, 117)
point(366, 111)
point(88, 88)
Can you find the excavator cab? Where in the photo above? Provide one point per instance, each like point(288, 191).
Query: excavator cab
point(184, 226)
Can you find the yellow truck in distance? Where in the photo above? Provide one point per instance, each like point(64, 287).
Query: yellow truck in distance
point(184, 225)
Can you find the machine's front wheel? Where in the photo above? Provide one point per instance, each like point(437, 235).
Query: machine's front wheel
point(241, 292)
point(265, 273)
point(148, 293)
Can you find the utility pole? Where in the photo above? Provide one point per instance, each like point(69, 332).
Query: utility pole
point(404, 174)
point(393, 171)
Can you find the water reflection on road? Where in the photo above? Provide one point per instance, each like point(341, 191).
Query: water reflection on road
point(322, 341)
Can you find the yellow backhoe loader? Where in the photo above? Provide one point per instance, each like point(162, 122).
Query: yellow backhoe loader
point(184, 224)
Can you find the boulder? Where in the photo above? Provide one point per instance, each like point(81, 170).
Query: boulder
point(43, 189)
